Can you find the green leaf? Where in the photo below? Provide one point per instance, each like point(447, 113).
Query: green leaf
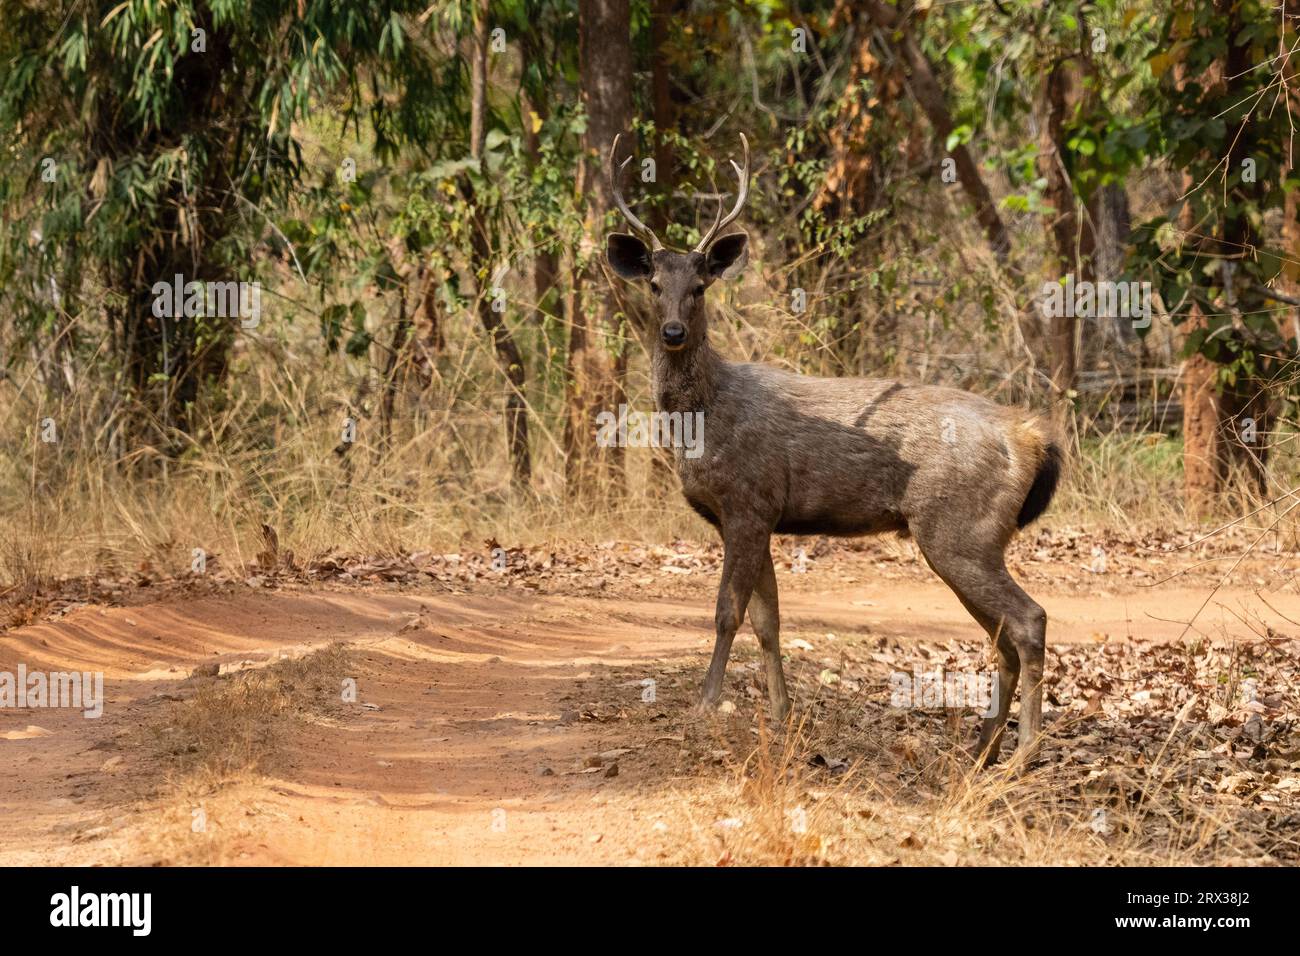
point(960, 134)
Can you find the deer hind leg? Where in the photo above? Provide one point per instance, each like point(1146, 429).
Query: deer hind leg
point(765, 615)
point(742, 562)
point(1008, 676)
point(1018, 627)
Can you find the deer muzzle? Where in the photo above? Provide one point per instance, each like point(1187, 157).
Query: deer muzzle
point(674, 335)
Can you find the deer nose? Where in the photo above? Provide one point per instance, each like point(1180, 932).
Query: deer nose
point(674, 334)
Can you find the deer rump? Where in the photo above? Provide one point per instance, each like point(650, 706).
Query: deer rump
point(848, 457)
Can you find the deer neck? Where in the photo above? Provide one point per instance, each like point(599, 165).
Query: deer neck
point(686, 380)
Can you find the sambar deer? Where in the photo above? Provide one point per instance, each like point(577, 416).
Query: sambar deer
point(793, 454)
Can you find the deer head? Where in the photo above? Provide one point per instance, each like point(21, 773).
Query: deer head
point(678, 279)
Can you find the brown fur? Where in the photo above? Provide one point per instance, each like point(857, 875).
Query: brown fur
point(792, 454)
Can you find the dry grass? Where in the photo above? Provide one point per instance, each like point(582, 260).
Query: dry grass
point(231, 725)
point(214, 748)
point(102, 497)
point(854, 780)
point(268, 450)
point(914, 797)
point(75, 509)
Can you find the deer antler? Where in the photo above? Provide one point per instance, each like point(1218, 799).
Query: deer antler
point(720, 223)
point(615, 175)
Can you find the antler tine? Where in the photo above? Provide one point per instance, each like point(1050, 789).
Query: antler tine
point(720, 223)
point(713, 229)
point(615, 175)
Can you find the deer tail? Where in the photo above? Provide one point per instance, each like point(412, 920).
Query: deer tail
point(1044, 484)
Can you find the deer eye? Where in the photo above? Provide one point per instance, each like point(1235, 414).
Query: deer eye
point(698, 291)
point(654, 287)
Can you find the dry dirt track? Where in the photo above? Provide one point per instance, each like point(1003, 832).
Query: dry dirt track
point(477, 717)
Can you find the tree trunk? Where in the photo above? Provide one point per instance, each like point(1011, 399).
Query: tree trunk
point(392, 362)
point(605, 67)
point(1202, 457)
point(546, 262)
point(1112, 224)
point(930, 97)
point(427, 340)
point(1072, 234)
point(493, 321)
point(1246, 407)
point(1288, 282)
point(662, 13)
point(1215, 426)
point(1202, 473)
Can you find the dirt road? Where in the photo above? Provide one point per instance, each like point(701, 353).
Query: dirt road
point(493, 728)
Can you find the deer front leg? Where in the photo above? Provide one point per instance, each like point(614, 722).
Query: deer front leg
point(743, 555)
point(765, 615)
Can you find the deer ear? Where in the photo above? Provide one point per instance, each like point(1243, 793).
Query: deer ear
point(727, 256)
point(628, 256)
